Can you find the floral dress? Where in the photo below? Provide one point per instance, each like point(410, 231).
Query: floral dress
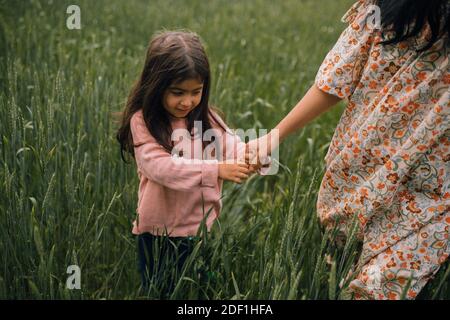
point(388, 164)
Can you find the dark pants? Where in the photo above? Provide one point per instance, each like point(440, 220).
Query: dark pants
point(161, 260)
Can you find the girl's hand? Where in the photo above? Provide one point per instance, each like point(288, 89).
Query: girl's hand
point(235, 172)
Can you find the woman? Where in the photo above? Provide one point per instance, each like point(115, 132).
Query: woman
point(388, 163)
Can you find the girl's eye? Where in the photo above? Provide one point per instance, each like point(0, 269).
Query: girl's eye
point(177, 93)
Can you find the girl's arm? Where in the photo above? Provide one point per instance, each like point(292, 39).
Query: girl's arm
point(158, 165)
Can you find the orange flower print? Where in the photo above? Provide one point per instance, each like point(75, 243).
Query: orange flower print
point(422, 147)
point(364, 193)
point(415, 124)
point(421, 76)
point(399, 133)
point(392, 296)
point(393, 178)
point(412, 207)
point(410, 107)
point(355, 26)
point(415, 265)
point(412, 294)
point(375, 54)
point(388, 165)
point(391, 263)
point(405, 156)
point(385, 159)
point(381, 186)
point(365, 160)
point(348, 210)
point(438, 244)
point(447, 79)
point(326, 88)
point(391, 100)
point(392, 68)
point(398, 87)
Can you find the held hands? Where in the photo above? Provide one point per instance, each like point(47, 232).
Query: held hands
point(258, 151)
point(237, 172)
point(256, 156)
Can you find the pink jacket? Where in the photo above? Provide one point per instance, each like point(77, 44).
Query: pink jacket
point(174, 197)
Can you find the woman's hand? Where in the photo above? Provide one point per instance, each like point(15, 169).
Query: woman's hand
point(314, 103)
point(257, 151)
point(235, 172)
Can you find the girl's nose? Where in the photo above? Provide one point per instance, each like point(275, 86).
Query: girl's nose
point(187, 103)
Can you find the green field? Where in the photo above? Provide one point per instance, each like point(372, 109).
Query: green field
point(66, 198)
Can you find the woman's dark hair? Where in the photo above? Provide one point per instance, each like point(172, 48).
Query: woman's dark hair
point(172, 56)
point(407, 18)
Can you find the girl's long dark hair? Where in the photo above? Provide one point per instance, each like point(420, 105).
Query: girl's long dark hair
point(172, 56)
point(407, 18)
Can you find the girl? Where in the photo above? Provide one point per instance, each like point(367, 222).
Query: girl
point(175, 196)
point(388, 163)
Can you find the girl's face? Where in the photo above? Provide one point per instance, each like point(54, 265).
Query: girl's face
point(182, 97)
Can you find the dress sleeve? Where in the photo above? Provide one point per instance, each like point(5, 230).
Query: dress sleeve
point(341, 70)
point(158, 165)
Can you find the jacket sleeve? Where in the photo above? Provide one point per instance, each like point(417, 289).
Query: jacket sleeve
point(158, 165)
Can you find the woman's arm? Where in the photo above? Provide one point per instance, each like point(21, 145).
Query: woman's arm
point(313, 104)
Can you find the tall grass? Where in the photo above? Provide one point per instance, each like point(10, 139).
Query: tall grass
point(66, 198)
